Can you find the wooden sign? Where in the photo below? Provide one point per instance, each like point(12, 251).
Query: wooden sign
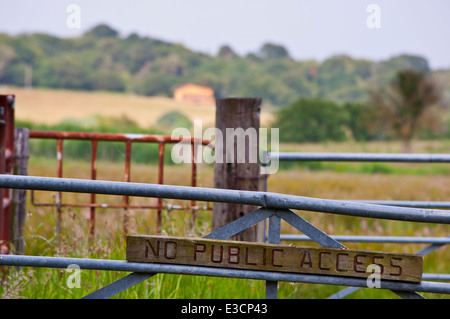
point(271, 257)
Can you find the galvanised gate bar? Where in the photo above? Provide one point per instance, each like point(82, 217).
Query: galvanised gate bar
point(274, 207)
point(361, 157)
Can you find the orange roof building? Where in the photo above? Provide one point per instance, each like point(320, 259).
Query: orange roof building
point(192, 93)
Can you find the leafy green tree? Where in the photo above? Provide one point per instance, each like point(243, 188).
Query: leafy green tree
point(64, 71)
point(103, 31)
point(172, 120)
point(405, 103)
point(334, 74)
point(102, 60)
point(226, 53)
point(7, 53)
point(273, 51)
point(386, 70)
point(360, 119)
point(155, 84)
point(108, 80)
point(109, 76)
point(312, 120)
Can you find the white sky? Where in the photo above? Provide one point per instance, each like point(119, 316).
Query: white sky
point(313, 29)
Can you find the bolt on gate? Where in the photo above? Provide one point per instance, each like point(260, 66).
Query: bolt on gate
point(128, 139)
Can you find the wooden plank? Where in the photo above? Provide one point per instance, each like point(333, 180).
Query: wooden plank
point(19, 196)
point(272, 257)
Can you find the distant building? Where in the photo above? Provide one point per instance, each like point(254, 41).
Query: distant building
point(192, 93)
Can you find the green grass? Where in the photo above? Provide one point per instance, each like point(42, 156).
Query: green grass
point(372, 168)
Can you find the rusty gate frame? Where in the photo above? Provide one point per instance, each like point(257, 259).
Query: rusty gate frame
point(128, 139)
point(6, 166)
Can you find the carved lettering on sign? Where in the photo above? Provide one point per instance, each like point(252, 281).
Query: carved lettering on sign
point(271, 257)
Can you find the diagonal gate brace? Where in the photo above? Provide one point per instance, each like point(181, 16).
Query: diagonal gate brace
point(275, 216)
point(228, 231)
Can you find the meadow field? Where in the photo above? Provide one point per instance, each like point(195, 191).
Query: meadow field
point(365, 181)
point(48, 106)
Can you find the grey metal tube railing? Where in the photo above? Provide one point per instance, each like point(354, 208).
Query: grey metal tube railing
point(408, 203)
point(264, 199)
point(374, 239)
point(360, 157)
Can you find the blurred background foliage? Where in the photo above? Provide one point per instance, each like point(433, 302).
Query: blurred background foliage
point(101, 59)
point(319, 101)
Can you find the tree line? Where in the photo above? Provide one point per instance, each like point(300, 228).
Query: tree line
point(337, 99)
point(102, 59)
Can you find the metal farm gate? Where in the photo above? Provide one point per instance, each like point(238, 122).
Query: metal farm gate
point(274, 207)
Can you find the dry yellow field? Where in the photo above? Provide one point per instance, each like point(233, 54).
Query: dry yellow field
point(52, 106)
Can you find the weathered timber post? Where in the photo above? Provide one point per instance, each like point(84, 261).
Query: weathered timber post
point(3, 246)
point(236, 165)
point(21, 155)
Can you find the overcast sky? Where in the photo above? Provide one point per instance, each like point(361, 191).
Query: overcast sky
point(313, 29)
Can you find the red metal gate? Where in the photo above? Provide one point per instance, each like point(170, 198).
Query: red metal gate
point(6, 167)
point(128, 139)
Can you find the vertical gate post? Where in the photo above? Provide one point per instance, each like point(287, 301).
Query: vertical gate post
point(94, 147)
point(21, 155)
point(237, 161)
point(6, 167)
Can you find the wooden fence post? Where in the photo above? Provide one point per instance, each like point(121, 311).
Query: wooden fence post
point(232, 115)
point(4, 249)
point(21, 155)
